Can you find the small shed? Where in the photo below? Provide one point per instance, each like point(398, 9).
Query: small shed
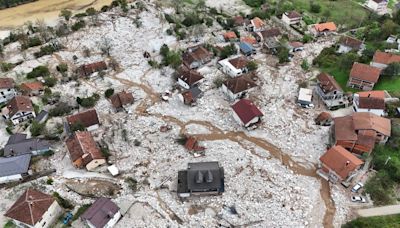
point(305, 97)
point(246, 48)
point(113, 170)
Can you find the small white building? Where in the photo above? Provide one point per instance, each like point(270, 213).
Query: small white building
point(102, 214)
point(378, 6)
point(7, 89)
point(305, 97)
point(370, 101)
point(234, 67)
point(291, 18)
point(34, 209)
point(19, 110)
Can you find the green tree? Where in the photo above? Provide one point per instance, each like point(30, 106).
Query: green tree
point(109, 92)
point(91, 11)
point(392, 70)
point(40, 71)
point(347, 60)
point(283, 54)
point(251, 66)
point(314, 7)
point(304, 65)
point(37, 128)
point(66, 14)
point(164, 50)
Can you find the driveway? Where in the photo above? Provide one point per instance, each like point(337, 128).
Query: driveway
point(378, 211)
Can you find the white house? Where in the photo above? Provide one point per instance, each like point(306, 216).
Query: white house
point(370, 101)
point(7, 89)
point(236, 88)
point(347, 44)
point(246, 113)
point(14, 168)
point(18, 110)
point(234, 67)
point(102, 214)
point(378, 6)
point(291, 17)
point(34, 209)
point(305, 97)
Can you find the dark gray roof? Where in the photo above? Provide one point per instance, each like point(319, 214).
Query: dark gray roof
point(14, 165)
point(195, 91)
point(204, 176)
point(43, 114)
point(101, 212)
point(19, 145)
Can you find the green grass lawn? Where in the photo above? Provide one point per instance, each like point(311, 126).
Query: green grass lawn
point(342, 76)
point(344, 12)
point(388, 221)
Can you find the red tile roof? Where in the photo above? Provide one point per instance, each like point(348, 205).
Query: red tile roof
point(328, 26)
point(371, 103)
point(30, 207)
point(341, 161)
point(230, 35)
point(88, 69)
point(239, 62)
point(365, 72)
point(120, 99)
point(82, 148)
point(351, 42)
point(375, 94)
point(189, 76)
point(328, 83)
point(6, 83)
point(385, 58)
point(249, 40)
point(32, 86)
point(246, 110)
point(196, 53)
point(19, 103)
point(87, 118)
point(257, 22)
point(239, 84)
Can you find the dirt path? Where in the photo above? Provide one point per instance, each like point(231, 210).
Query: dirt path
point(239, 137)
point(379, 211)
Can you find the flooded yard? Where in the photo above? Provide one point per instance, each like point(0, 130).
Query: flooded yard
point(47, 10)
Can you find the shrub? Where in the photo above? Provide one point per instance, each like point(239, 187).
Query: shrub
point(63, 67)
point(228, 51)
point(90, 11)
point(392, 70)
point(169, 18)
point(10, 224)
point(283, 54)
point(60, 109)
point(153, 63)
point(136, 142)
point(66, 14)
point(50, 81)
point(63, 202)
point(40, 71)
point(80, 211)
point(37, 128)
point(132, 183)
point(254, 3)
point(314, 7)
point(251, 66)
point(78, 126)
point(191, 19)
point(6, 66)
point(49, 181)
point(304, 65)
point(31, 42)
point(109, 92)
point(46, 50)
point(218, 82)
point(78, 25)
point(105, 151)
point(88, 102)
point(48, 153)
point(307, 38)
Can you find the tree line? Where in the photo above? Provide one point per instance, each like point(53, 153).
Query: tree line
point(11, 3)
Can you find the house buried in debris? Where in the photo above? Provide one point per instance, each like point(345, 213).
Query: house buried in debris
point(196, 56)
point(88, 69)
point(202, 178)
point(188, 78)
point(19, 110)
point(19, 144)
point(347, 44)
point(236, 88)
point(246, 113)
point(83, 151)
point(32, 88)
point(330, 92)
point(121, 100)
point(103, 213)
point(291, 18)
point(338, 164)
point(360, 131)
point(7, 89)
point(87, 119)
point(34, 209)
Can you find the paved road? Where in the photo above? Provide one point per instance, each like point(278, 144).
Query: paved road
point(377, 211)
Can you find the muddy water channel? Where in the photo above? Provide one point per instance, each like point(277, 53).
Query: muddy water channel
point(47, 10)
point(238, 137)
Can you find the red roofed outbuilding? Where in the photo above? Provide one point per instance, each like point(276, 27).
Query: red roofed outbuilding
point(246, 113)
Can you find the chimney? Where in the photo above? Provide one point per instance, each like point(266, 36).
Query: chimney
point(347, 163)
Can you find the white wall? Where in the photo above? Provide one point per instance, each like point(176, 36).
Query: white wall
point(11, 178)
point(344, 49)
point(6, 95)
point(114, 220)
point(93, 127)
point(378, 65)
point(183, 84)
point(50, 216)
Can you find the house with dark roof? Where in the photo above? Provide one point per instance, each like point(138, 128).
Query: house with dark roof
point(370, 101)
point(14, 168)
point(291, 18)
point(32, 88)
point(88, 119)
point(380, 7)
point(236, 88)
point(202, 178)
point(19, 144)
point(360, 131)
point(83, 151)
point(188, 78)
point(103, 213)
point(295, 46)
point(330, 92)
point(121, 100)
point(34, 209)
point(18, 110)
point(88, 69)
point(247, 49)
point(382, 59)
point(190, 96)
point(7, 89)
point(246, 113)
point(338, 164)
point(235, 66)
point(363, 76)
point(196, 56)
point(348, 44)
